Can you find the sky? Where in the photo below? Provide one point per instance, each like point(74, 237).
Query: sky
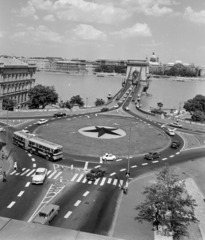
point(104, 29)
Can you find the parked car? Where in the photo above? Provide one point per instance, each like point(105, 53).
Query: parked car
point(39, 176)
point(158, 111)
point(42, 121)
point(105, 109)
point(170, 132)
point(25, 131)
point(152, 155)
point(109, 157)
point(116, 106)
point(175, 144)
point(94, 174)
point(59, 114)
point(127, 109)
point(176, 124)
point(46, 214)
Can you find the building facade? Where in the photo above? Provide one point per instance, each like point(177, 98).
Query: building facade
point(16, 79)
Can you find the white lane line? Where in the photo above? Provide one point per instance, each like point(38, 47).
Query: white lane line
point(178, 153)
point(49, 171)
point(20, 194)
point(86, 165)
point(30, 172)
point(33, 159)
point(96, 181)
point(23, 169)
point(34, 165)
point(89, 182)
point(103, 181)
point(84, 180)
point(57, 175)
point(109, 180)
point(29, 155)
point(30, 125)
point(121, 183)
point(86, 193)
point(25, 172)
point(81, 176)
point(13, 172)
point(52, 174)
point(164, 159)
point(112, 173)
point(68, 214)
point(171, 156)
point(27, 184)
point(97, 166)
point(123, 169)
point(17, 173)
point(11, 204)
point(118, 160)
point(134, 166)
point(144, 164)
point(74, 177)
point(77, 203)
point(155, 161)
point(115, 182)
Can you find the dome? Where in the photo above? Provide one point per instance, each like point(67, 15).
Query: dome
point(153, 58)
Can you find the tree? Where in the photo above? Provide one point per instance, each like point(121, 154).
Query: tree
point(160, 105)
point(198, 116)
point(167, 204)
point(8, 104)
point(77, 100)
point(99, 102)
point(41, 96)
point(195, 104)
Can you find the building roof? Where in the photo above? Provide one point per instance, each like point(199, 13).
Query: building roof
point(12, 62)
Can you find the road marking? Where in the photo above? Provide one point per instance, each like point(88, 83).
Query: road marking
point(96, 181)
point(34, 165)
point(115, 182)
point(52, 174)
point(77, 203)
point(97, 166)
point(84, 180)
point(29, 155)
point(27, 184)
point(33, 159)
point(178, 153)
point(57, 175)
point(48, 172)
point(164, 159)
point(13, 172)
point(134, 166)
point(103, 181)
point(171, 156)
point(86, 165)
point(20, 194)
point(30, 172)
point(17, 173)
point(144, 164)
point(74, 177)
point(81, 176)
point(112, 173)
point(155, 161)
point(123, 169)
point(86, 193)
point(25, 172)
point(89, 182)
point(109, 180)
point(118, 160)
point(121, 183)
point(68, 214)
point(23, 169)
point(11, 204)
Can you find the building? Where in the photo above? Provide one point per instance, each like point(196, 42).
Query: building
point(74, 65)
point(91, 66)
point(16, 78)
point(109, 62)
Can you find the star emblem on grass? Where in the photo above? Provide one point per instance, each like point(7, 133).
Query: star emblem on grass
point(103, 130)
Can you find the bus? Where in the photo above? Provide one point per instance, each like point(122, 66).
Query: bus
point(50, 151)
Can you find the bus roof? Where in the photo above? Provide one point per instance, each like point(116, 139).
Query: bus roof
point(37, 140)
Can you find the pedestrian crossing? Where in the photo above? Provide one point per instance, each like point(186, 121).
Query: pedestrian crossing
point(77, 177)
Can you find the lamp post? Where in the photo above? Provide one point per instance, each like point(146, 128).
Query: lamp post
point(86, 102)
point(7, 125)
point(128, 162)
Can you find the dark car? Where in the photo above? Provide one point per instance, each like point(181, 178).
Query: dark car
point(94, 174)
point(104, 109)
point(175, 144)
point(59, 114)
point(152, 155)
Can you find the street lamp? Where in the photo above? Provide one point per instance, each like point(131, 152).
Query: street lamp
point(7, 125)
point(86, 102)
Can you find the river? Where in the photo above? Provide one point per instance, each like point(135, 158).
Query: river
point(171, 93)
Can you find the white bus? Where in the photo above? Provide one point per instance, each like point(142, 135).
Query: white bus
point(48, 150)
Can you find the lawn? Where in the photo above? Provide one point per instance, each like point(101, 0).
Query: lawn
point(143, 138)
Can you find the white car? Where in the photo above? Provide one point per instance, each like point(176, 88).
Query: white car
point(116, 106)
point(42, 121)
point(2, 129)
point(25, 131)
point(39, 176)
point(109, 157)
point(127, 109)
point(170, 132)
point(176, 124)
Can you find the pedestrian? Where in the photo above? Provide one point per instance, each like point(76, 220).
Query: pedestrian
point(4, 177)
point(15, 166)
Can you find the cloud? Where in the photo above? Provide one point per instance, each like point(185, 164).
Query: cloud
point(28, 11)
point(196, 17)
point(139, 29)
point(2, 34)
point(49, 18)
point(155, 10)
point(88, 32)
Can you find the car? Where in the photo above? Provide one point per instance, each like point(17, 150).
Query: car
point(2, 129)
point(39, 176)
point(95, 173)
point(105, 109)
point(46, 214)
point(170, 132)
point(108, 157)
point(127, 109)
point(59, 114)
point(176, 124)
point(116, 106)
point(25, 131)
point(152, 155)
point(175, 144)
point(42, 121)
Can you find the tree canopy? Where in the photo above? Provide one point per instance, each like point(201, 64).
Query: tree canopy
point(77, 100)
point(99, 102)
point(167, 204)
point(41, 96)
point(8, 104)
